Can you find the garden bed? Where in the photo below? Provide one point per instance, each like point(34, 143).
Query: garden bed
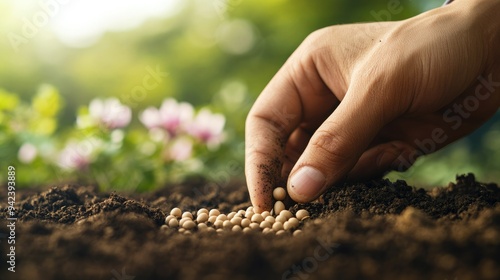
point(374, 230)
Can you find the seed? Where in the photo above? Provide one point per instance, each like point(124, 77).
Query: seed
point(202, 217)
point(168, 218)
point(227, 224)
point(210, 229)
point(245, 222)
point(231, 215)
point(164, 227)
point(257, 218)
point(181, 230)
point(249, 214)
point(287, 225)
point(241, 213)
point(297, 232)
point(173, 223)
point(265, 214)
point(267, 230)
point(280, 232)
point(187, 232)
point(218, 223)
point(202, 226)
point(277, 226)
point(254, 226)
point(189, 225)
point(287, 214)
point(222, 217)
point(183, 220)
point(250, 208)
point(278, 207)
point(265, 224)
point(212, 219)
point(280, 219)
point(236, 228)
point(202, 210)
point(187, 215)
point(301, 214)
point(176, 212)
point(219, 230)
point(279, 193)
point(294, 222)
point(214, 212)
point(247, 229)
point(270, 219)
point(236, 221)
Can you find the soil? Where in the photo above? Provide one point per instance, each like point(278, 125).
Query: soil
point(373, 230)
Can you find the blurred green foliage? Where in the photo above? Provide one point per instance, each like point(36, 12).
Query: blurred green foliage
point(220, 52)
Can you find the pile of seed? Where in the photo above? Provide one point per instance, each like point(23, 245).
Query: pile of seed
point(279, 221)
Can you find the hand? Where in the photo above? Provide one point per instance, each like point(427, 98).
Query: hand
point(354, 101)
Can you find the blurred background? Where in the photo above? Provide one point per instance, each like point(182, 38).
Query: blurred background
point(216, 54)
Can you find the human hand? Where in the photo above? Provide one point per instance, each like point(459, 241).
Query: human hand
point(354, 101)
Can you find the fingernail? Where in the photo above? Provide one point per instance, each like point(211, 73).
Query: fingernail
point(308, 182)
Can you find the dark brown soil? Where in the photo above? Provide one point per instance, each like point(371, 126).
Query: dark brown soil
point(375, 230)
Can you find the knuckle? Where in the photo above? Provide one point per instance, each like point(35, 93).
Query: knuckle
point(331, 146)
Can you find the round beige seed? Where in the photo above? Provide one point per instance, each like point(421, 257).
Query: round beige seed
point(267, 230)
point(287, 214)
point(220, 230)
point(222, 217)
point(279, 193)
point(202, 226)
point(236, 228)
point(214, 212)
point(297, 232)
point(278, 207)
point(210, 229)
point(245, 222)
point(164, 227)
point(212, 219)
point(257, 218)
point(168, 218)
point(301, 214)
point(250, 209)
point(294, 222)
point(218, 223)
point(265, 224)
point(176, 212)
point(173, 223)
point(265, 214)
point(187, 232)
point(254, 226)
point(231, 215)
point(241, 213)
point(236, 221)
point(277, 226)
point(280, 219)
point(270, 219)
point(183, 220)
point(181, 230)
point(249, 214)
point(227, 224)
point(280, 232)
point(202, 217)
point(247, 229)
point(189, 225)
point(202, 210)
point(187, 215)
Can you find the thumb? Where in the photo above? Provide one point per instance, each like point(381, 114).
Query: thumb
point(337, 145)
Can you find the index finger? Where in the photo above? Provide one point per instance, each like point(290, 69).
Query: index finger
point(273, 117)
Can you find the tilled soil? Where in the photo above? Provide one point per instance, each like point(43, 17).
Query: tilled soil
point(372, 230)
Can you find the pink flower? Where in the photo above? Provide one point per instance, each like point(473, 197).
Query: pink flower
point(181, 150)
point(77, 155)
point(208, 128)
point(110, 113)
point(27, 153)
point(172, 116)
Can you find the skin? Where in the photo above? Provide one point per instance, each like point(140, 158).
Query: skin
point(353, 101)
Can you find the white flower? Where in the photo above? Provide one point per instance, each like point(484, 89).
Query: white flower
point(110, 113)
point(208, 128)
point(181, 150)
point(172, 116)
point(78, 155)
point(27, 153)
